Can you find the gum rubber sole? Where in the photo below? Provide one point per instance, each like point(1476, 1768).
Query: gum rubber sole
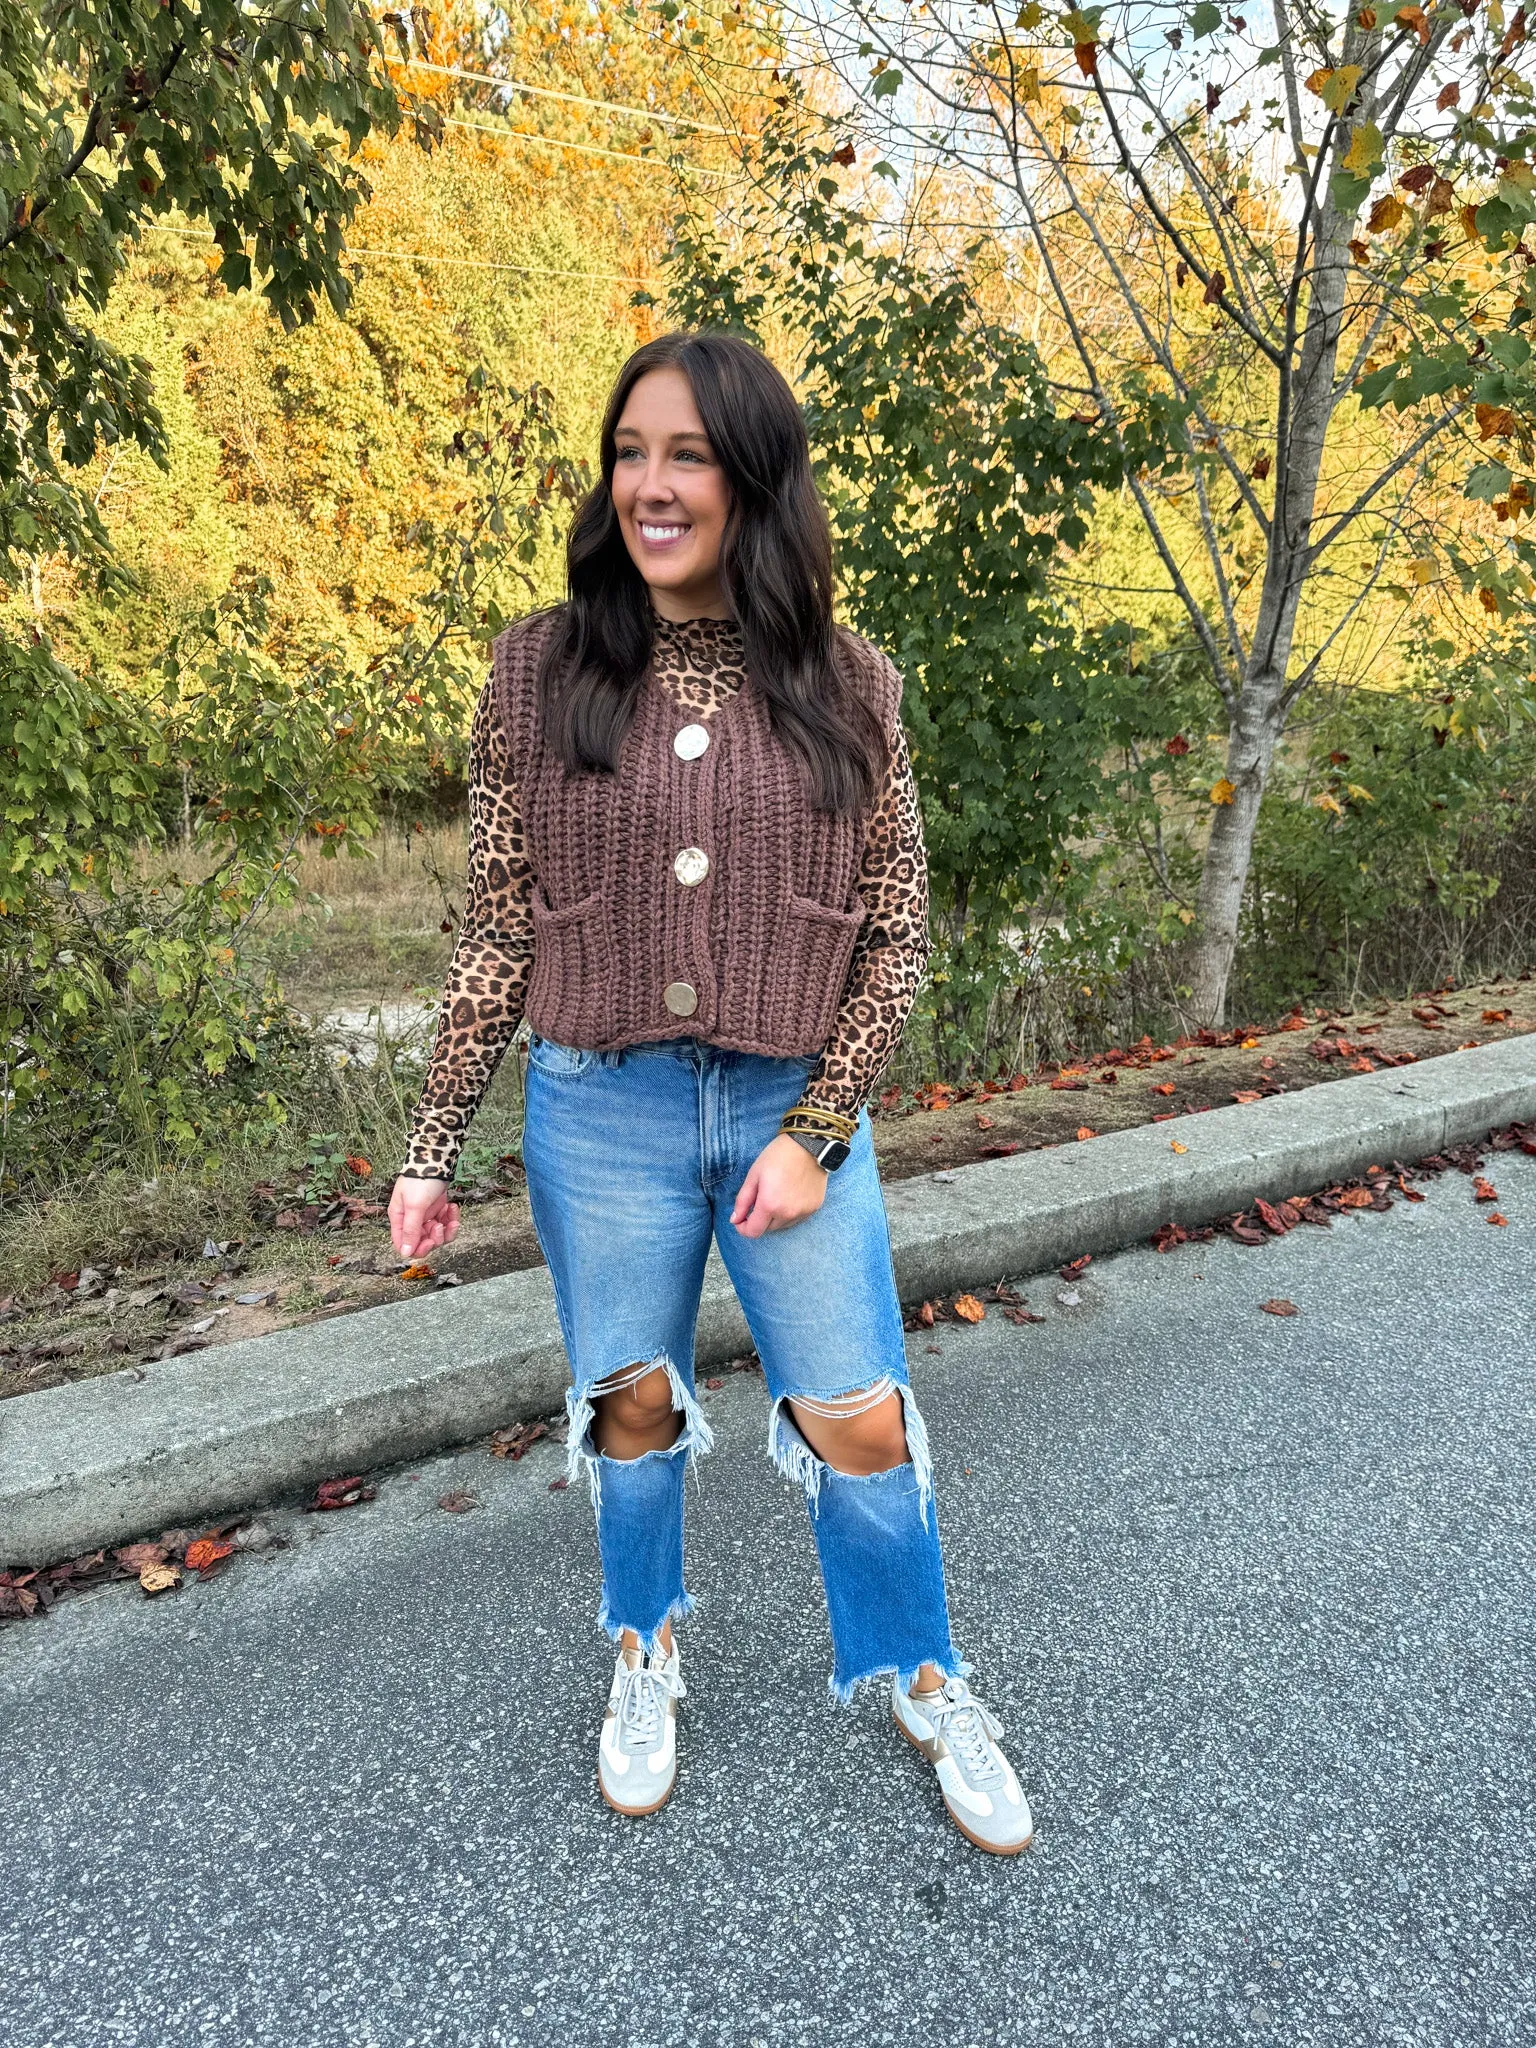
point(988, 1848)
point(635, 1812)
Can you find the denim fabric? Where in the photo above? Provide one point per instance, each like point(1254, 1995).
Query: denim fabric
point(634, 1160)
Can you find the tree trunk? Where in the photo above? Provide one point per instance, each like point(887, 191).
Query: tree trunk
point(1260, 713)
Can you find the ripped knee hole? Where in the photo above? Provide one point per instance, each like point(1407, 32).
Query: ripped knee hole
point(861, 1432)
point(638, 1395)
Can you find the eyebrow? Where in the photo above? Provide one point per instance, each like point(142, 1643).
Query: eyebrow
point(687, 435)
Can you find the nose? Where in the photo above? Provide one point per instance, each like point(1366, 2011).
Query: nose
point(654, 489)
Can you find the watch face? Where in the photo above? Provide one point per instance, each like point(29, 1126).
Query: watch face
point(833, 1153)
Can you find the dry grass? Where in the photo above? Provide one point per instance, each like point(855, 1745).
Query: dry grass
point(371, 928)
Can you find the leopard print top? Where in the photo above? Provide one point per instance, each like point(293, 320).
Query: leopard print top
point(700, 662)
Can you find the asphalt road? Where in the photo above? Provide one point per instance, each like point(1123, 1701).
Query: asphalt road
point(1253, 1595)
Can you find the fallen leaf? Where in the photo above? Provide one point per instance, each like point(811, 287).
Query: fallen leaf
point(1164, 1087)
point(984, 1123)
point(558, 1485)
point(363, 1168)
point(1013, 1315)
point(517, 1439)
point(160, 1578)
point(1169, 1235)
point(925, 1315)
point(1502, 1221)
point(1483, 1190)
point(1279, 1308)
point(1000, 1150)
point(1271, 1218)
point(205, 1553)
point(133, 1557)
point(969, 1309)
point(417, 1271)
point(1075, 1268)
point(339, 1493)
point(1356, 1198)
point(1085, 1131)
point(458, 1502)
point(1247, 1095)
point(1175, 1146)
point(1496, 1016)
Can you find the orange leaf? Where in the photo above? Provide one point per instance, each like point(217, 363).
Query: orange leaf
point(984, 1123)
point(1175, 1146)
point(1484, 1190)
point(1502, 1221)
point(1162, 1087)
point(363, 1168)
point(1356, 1198)
point(1087, 55)
point(160, 1578)
point(1495, 1016)
point(1085, 1131)
point(418, 1271)
point(925, 1315)
point(969, 1309)
point(206, 1552)
point(1247, 1095)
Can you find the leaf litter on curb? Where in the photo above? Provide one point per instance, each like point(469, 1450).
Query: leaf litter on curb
point(157, 1564)
point(1374, 1190)
point(1279, 1307)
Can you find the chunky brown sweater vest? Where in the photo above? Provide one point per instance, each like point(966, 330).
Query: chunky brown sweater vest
point(699, 896)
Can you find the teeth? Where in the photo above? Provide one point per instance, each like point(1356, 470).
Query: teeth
point(661, 532)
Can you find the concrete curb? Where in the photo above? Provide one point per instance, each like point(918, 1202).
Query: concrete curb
point(194, 1437)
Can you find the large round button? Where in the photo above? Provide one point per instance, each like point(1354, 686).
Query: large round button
point(681, 998)
point(691, 866)
point(690, 742)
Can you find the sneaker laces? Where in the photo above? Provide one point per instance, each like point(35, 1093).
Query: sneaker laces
point(969, 1729)
point(642, 1689)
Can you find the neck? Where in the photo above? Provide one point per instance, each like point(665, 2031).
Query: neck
point(678, 606)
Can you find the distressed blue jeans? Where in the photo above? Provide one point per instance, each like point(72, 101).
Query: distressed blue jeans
point(634, 1160)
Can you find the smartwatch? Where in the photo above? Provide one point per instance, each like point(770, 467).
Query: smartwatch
point(828, 1153)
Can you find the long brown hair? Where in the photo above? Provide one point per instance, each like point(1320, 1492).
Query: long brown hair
point(775, 566)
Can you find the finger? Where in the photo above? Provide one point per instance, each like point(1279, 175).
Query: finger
point(746, 1197)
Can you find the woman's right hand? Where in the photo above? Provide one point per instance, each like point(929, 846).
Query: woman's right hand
point(421, 1217)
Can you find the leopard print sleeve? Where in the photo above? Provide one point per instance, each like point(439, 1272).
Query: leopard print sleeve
point(482, 1002)
point(891, 952)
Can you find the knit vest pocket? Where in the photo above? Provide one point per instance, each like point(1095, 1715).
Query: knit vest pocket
point(574, 965)
point(810, 967)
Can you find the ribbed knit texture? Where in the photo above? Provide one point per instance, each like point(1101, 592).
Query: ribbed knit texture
point(765, 939)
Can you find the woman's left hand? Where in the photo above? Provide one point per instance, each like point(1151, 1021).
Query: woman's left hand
point(783, 1186)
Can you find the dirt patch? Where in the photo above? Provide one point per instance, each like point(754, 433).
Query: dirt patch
point(339, 1259)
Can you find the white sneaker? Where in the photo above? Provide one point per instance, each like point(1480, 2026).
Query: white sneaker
point(637, 1754)
point(959, 1737)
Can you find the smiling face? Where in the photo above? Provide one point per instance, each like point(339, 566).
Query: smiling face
point(671, 497)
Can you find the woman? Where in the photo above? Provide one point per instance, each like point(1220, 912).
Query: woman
point(696, 866)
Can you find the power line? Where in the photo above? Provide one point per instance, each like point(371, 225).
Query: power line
point(546, 92)
point(460, 262)
point(622, 156)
